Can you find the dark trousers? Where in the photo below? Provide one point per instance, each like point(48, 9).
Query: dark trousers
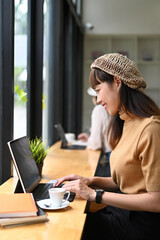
point(113, 223)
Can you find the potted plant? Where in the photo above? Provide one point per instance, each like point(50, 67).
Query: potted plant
point(39, 152)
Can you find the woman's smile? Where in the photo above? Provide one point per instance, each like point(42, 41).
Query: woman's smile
point(104, 105)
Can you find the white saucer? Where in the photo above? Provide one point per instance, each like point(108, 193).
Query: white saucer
point(46, 204)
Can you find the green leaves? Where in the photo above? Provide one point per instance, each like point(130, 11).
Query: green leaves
point(20, 92)
point(23, 96)
point(38, 150)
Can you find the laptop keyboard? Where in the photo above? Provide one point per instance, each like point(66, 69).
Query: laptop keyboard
point(41, 192)
point(74, 147)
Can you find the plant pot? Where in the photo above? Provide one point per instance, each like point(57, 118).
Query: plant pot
point(40, 166)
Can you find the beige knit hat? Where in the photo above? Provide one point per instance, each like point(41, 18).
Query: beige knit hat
point(120, 66)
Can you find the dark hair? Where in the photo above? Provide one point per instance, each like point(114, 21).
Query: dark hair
point(131, 100)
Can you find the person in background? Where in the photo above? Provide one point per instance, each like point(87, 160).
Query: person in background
point(99, 122)
point(134, 137)
point(98, 135)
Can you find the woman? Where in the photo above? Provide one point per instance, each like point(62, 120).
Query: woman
point(134, 136)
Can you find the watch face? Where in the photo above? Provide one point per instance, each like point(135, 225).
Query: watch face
point(100, 190)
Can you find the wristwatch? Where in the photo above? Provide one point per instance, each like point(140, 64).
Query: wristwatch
point(99, 193)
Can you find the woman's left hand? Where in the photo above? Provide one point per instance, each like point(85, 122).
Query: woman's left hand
point(79, 187)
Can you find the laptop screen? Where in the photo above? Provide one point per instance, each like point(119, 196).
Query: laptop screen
point(61, 133)
point(24, 163)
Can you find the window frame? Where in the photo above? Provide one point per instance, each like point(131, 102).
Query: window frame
point(34, 68)
point(6, 85)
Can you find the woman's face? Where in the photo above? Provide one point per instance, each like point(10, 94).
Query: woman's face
point(109, 96)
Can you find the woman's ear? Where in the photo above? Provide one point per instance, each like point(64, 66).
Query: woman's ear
point(117, 81)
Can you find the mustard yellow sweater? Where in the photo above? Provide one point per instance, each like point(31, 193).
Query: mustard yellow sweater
point(135, 162)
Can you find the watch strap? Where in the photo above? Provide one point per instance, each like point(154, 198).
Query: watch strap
point(99, 193)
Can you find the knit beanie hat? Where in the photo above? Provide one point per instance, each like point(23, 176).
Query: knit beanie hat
point(120, 66)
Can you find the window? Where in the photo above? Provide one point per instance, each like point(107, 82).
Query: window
point(23, 59)
point(20, 68)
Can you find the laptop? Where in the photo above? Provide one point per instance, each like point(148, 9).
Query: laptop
point(27, 170)
point(77, 144)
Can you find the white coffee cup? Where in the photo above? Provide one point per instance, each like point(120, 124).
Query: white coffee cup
point(70, 137)
point(56, 196)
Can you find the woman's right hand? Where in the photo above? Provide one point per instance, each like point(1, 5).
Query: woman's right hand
point(83, 137)
point(85, 180)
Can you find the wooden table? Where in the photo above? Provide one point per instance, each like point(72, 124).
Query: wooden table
point(64, 224)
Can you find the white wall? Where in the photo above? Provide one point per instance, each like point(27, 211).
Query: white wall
point(117, 17)
point(122, 16)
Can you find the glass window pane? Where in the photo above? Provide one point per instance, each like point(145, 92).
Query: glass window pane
point(45, 72)
point(20, 68)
